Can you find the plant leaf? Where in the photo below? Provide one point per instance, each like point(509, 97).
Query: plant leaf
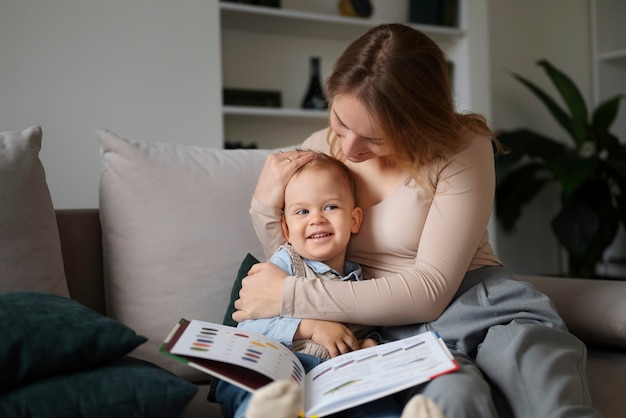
point(521, 142)
point(569, 92)
point(571, 171)
point(587, 222)
point(621, 207)
point(574, 226)
point(605, 140)
point(616, 169)
point(601, 200)
point(516, 190)
point(524, 143)
point(559, 114)
point(606, 113)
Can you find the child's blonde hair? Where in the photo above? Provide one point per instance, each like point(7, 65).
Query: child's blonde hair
point(324, 161)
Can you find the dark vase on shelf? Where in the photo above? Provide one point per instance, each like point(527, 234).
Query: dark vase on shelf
point(314, 98)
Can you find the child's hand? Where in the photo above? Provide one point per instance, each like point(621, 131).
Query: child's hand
point(333, 336)
point(367, 342)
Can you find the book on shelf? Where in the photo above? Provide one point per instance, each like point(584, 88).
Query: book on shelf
point(250, 361)
point(434, 12)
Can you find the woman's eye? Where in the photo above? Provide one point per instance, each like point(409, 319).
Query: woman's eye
point(339, 122)
point(302, 212)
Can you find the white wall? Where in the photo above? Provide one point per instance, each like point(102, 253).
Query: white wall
point(148, 69)
point(144, 69)
point(522, 32)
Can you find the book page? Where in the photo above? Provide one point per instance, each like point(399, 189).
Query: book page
point(364, 375)
point(222, 343)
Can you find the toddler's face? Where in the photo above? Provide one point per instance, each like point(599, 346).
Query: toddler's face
point(320, 215)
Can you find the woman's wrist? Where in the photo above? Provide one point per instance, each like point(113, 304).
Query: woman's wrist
point(286, 301)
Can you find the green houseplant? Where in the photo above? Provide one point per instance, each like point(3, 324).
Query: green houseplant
point(590, 170)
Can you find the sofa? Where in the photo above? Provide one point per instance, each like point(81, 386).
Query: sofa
point(167, 240)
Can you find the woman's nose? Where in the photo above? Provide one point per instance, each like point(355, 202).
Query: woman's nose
point(349, 144)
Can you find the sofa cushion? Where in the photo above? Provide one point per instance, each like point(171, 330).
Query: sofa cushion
point(175, 227)
point(123, 388)
point(45, 335)
point(30, 249)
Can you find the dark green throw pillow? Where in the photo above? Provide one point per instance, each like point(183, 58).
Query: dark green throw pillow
point(43, 335)
point(123, 388)
point(246, 265)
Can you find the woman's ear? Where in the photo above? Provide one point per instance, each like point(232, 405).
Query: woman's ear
point(357, 218)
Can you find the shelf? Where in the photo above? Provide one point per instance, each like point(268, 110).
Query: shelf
point(281, 38)
point(613, 56)
point(298, 23)
point(274, 112)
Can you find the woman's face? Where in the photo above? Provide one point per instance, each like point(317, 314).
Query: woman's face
point(358, 137)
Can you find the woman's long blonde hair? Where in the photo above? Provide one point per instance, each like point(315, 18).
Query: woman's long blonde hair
point(402, 77)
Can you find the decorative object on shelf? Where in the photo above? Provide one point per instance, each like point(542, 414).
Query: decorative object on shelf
point(355, 8)
point(250, 97)
point(591, 173)
point(434, 12)
point(314, 98)
point(239, 145)
point(267, 3)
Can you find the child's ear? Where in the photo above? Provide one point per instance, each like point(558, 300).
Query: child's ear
point(283, 224)
point(357, 218)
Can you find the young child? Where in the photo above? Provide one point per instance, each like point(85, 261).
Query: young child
point(319, 216)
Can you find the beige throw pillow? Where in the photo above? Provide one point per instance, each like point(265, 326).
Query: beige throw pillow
point(30, 248)
point(175, 228)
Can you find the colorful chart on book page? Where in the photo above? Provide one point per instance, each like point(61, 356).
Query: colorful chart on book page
point(235, 346)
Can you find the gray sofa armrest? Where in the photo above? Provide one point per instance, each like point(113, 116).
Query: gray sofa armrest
point(594, 310)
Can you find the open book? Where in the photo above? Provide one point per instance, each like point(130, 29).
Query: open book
point(250, 361)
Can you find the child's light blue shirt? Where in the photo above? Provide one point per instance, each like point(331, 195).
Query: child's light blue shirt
point(283, 329)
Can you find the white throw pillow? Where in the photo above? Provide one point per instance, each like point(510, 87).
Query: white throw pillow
point(175, 227)
point(30, 248)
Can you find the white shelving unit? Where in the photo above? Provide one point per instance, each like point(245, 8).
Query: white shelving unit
point(608, 46)
point(269, 48)
point(273, 112)
point(608, 50)
point(296, 22)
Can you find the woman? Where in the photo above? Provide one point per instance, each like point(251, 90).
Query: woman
point(426, 181)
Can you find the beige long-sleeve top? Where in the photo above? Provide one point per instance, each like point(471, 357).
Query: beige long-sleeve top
point(417, 248)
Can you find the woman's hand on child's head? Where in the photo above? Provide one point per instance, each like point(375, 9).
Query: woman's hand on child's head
point(278, 169)
point(261, 293)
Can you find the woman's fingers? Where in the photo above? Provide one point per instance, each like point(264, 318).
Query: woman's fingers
point(286, 156)
point(260, 295)
point(278, 169)
point(295, 157)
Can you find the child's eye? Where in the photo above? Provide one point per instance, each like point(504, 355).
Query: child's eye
point(330, 207)
point(302, 212)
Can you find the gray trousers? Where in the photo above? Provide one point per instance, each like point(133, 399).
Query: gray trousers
point(517, 357)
